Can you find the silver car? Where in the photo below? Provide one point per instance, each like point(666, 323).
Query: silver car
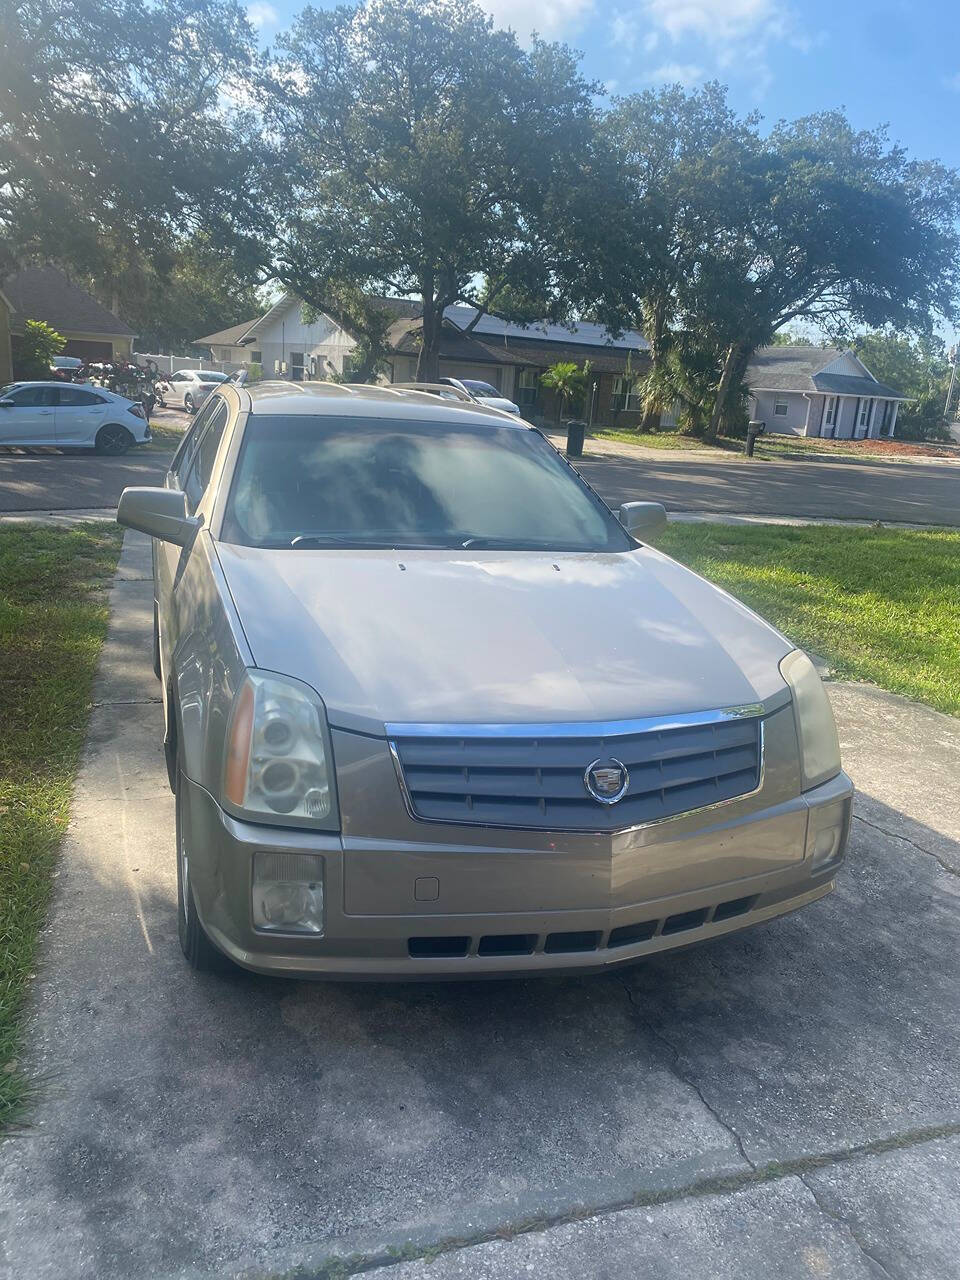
point(432, 710)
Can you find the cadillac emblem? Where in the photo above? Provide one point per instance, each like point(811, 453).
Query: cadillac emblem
point(606, 780)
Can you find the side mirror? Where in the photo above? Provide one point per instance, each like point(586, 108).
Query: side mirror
point(160, 512)
point(7, 404)
point(642, 517)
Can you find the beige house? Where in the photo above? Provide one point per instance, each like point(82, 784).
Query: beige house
point(92, 331)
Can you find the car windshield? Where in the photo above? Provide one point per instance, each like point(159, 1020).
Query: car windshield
point(480, 388)
point(331, 482)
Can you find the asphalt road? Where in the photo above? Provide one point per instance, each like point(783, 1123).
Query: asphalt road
point(889, 491)
point(915, 493)
point(781, 1102)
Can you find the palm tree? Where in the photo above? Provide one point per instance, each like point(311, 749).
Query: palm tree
point(567, 379)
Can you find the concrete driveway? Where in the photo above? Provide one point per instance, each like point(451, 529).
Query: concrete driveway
point(786, 1101)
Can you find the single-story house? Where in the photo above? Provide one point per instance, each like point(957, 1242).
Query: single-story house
point(283, 344)
point(92, 331)
point(820, 391)
point(508, 356)
point(6, 355)
point(795, 390)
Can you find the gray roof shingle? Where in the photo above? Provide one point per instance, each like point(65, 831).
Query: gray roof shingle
point(45, 293)
point(798, 369)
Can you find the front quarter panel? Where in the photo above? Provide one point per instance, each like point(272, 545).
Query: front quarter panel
point(208, 659)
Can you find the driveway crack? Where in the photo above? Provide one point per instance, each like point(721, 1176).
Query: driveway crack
point(847, 1226)
point(678, 1072)
point(893, 835)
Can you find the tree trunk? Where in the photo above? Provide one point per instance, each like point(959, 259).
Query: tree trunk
point(656, 332)
point(428, 362)
point(734, 367)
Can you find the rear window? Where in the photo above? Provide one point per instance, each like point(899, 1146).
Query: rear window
point(480, 388)
point(324, 481)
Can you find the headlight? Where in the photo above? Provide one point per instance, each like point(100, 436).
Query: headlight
point(816, 727)
point(278, 762)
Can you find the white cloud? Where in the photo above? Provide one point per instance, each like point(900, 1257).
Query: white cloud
point(685, 73)
point(261, 14)
point(952, 82)
point(714, 20)
point(548, 18)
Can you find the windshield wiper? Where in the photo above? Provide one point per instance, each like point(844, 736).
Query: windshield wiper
point(514, 544)
point(348, 540)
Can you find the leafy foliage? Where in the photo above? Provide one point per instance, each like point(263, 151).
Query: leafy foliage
point(118, 125)
point(420, 149)
point(35, 348)
point(568, 380)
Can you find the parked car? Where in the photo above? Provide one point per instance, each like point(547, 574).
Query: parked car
point(190, 387)
point(483, 393)
point(58, 413)
point(66, 368)
point(433, 710)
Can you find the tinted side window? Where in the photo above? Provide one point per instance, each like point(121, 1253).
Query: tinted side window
point(184, 455)
point(31, 397)
point(76, 396)
point(202, 469)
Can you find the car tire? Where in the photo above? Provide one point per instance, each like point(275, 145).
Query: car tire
point(199, 951)
point(113, 440)
point(188, 403)
point(156, 642)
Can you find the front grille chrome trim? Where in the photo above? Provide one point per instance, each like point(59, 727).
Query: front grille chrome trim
point(762, 710)
point(591, 728)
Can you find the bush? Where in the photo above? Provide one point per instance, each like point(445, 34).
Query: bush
point(34, 349)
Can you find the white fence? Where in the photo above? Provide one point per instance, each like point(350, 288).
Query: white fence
point(170, 364)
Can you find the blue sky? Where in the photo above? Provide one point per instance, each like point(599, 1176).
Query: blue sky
point(886, 61)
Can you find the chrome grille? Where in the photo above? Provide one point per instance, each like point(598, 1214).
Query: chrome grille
point(513, 781)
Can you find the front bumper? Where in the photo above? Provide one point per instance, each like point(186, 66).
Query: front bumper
point(571, 929)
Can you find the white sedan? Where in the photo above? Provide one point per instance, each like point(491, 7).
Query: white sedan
point(190, 387)
point(61, 413)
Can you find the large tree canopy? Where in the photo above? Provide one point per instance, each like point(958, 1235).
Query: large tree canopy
point(421, 149)
point(118, 122)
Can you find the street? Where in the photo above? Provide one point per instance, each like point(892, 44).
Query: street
point(889, 491)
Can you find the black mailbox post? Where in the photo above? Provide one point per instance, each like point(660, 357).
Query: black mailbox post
point(754, 429)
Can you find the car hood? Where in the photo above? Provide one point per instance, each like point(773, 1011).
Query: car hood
point(494, 637)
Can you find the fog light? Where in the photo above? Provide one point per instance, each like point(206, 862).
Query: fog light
point(288, 892)
point(827, 833)
point(825, 846)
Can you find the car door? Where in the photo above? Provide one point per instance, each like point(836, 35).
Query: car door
point(79, 416)
point(190, 472)
point(31, 418)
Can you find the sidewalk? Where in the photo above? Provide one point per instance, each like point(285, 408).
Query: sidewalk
point(785, 1101)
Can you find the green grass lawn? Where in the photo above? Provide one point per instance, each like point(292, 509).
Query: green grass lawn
point(53, 618)
point(165, 436)
point(667, 440)
point(881, 605)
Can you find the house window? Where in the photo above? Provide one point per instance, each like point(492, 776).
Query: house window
point(296, 366)
point(625, 394)
point(830, 417)
point(256, 357)
point(863, 417)
point(887, 415)
point(527, 387)
point(780, 408)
